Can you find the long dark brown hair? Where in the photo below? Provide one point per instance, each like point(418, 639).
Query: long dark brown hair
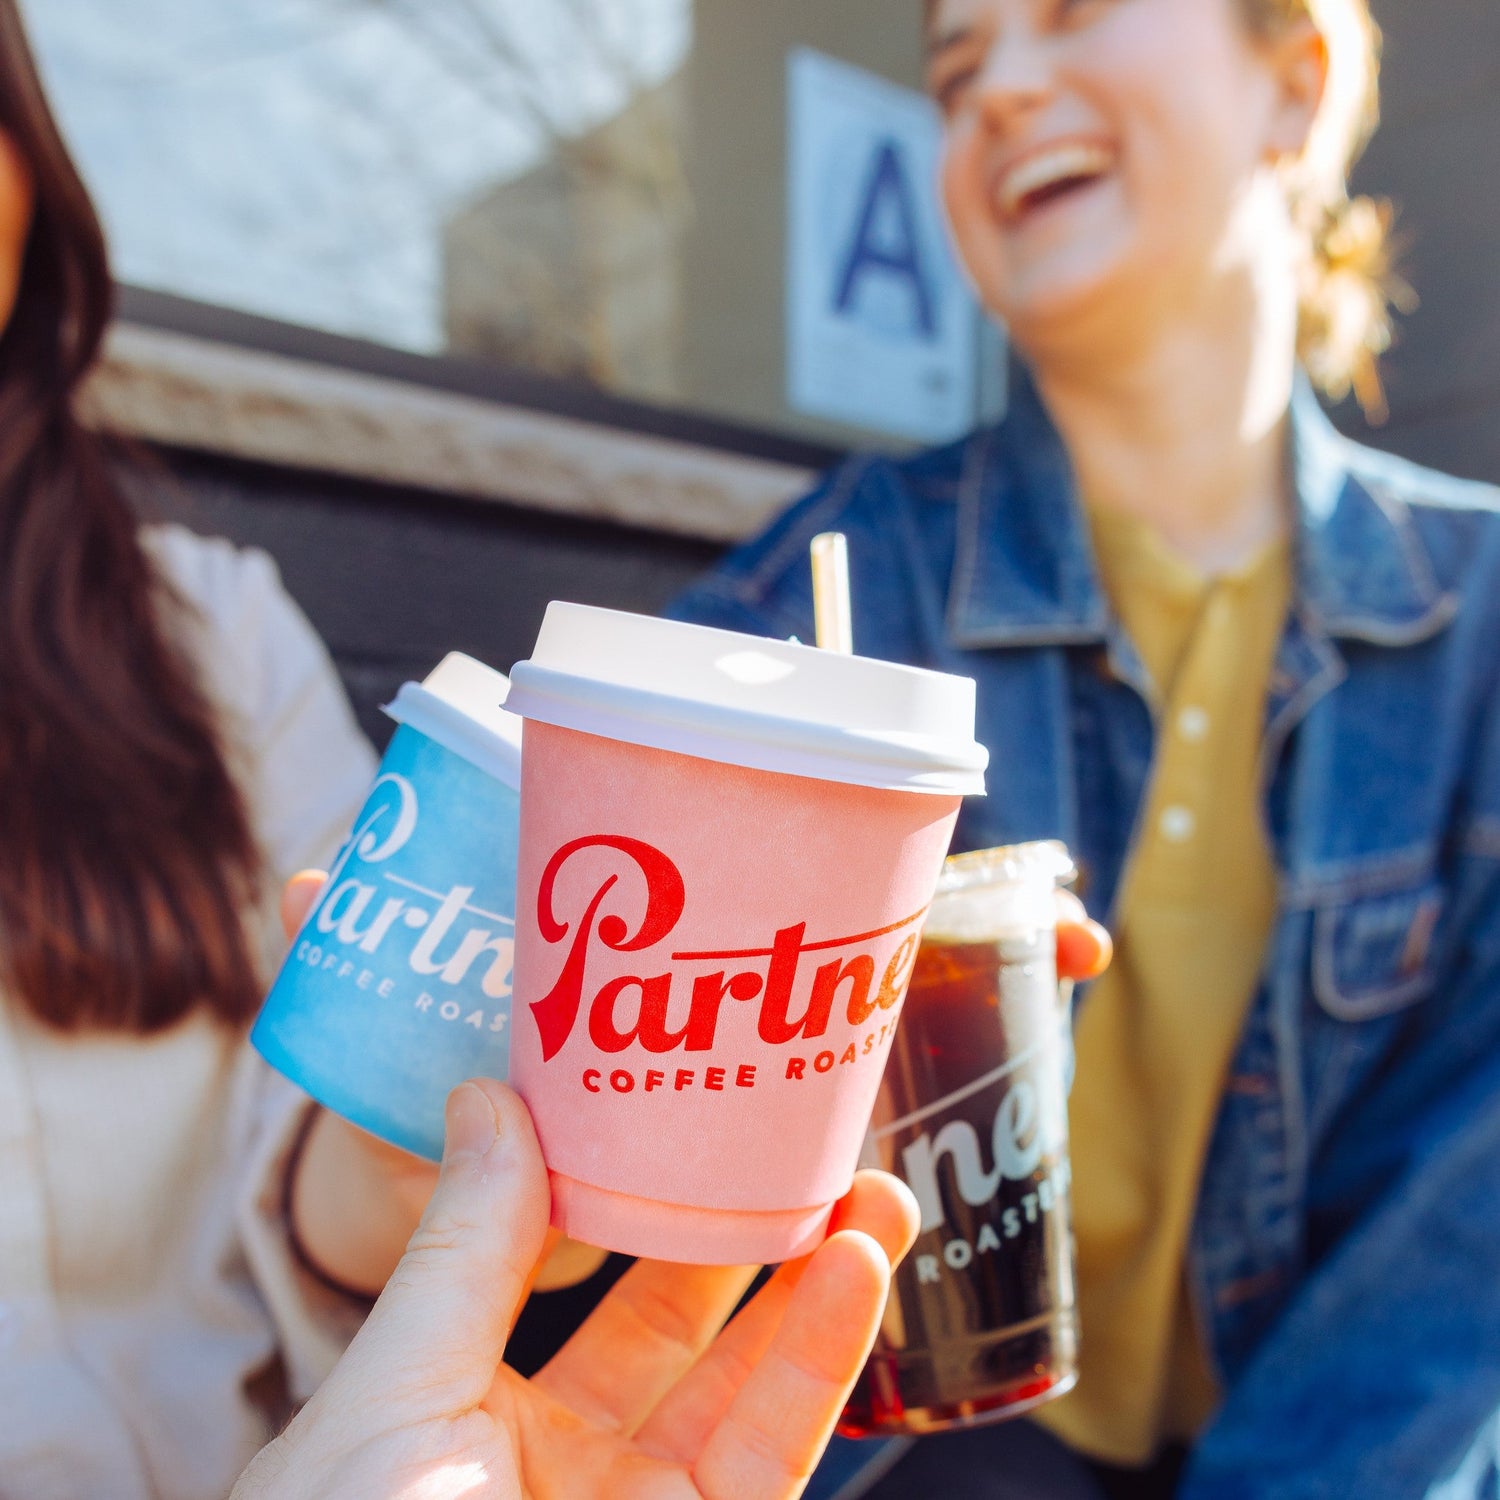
point(126, 856)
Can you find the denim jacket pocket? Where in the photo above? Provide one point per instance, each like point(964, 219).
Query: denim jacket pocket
point(1373, 955)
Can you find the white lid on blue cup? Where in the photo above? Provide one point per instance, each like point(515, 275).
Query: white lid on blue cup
point(747, 701)
point(458, 705)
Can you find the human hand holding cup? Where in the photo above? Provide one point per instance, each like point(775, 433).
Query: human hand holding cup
point(355, 1200)
point(649, 1399)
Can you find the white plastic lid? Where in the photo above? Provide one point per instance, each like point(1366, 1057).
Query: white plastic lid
point(458, 705)
point(747, 701)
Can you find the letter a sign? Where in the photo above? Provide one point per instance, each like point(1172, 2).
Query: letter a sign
point(881, 329)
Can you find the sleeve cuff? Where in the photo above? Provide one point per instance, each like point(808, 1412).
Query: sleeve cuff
point(314, 1318)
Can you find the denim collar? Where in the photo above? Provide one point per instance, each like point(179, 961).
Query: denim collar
point(1024, 572)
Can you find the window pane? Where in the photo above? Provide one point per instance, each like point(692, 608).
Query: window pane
point(592, 188)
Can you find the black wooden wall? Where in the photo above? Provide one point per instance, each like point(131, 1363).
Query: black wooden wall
point(393, 578)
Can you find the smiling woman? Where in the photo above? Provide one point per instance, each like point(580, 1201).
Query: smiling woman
point(1202, 626)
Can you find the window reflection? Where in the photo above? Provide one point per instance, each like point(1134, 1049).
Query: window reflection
point(591, 188)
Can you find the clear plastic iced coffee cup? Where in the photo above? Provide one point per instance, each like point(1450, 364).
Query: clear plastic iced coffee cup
point(972, 1114)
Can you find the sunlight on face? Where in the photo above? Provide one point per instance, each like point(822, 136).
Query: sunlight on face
point(17, 205)
point(1098, 152)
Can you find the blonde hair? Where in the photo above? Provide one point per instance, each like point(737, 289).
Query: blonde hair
point(1349, 286)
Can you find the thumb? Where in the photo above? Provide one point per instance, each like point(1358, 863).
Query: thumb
point(297, 897)
point(438, 1332)
point(1084, 948)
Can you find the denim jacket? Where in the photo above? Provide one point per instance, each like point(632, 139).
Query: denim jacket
point(1345, 1251)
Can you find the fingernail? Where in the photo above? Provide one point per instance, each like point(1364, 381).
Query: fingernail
point(473, 1125)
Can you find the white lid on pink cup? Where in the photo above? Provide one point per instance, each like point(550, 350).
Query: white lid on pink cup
point(458, 705)
point(748, 701)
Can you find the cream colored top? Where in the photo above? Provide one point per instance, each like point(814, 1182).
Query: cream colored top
point(144, 1278)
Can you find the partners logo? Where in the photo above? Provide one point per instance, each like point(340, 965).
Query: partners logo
point(439, 936)
point(990, 1161)
point(805, 991)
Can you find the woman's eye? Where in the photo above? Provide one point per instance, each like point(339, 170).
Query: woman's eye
point(949, 88)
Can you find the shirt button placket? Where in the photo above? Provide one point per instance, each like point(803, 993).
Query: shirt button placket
point(1192, 725)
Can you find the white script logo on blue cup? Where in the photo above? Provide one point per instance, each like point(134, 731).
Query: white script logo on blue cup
point(398, 986)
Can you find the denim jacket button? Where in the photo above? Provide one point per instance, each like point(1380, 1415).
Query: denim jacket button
point(1192, 725)
point(1177, 824)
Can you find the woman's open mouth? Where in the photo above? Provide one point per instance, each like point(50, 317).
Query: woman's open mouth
point(1049, 174)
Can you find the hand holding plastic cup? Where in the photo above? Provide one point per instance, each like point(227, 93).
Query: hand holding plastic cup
point(728, 845)
point(398, 987)
point(972, 1115)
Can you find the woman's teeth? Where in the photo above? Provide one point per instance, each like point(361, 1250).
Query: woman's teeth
point(1045, 172)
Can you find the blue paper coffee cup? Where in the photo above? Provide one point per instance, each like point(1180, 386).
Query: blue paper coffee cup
point(398, 986)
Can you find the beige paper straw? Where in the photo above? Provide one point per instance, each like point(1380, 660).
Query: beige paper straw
point(830, 575)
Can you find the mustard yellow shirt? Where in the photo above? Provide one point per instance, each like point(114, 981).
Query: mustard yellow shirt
point(1156, 1035)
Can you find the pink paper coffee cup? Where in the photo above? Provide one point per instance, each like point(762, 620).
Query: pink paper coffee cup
point(727, 849)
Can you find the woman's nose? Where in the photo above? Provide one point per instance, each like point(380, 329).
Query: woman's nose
point(1016, 80)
